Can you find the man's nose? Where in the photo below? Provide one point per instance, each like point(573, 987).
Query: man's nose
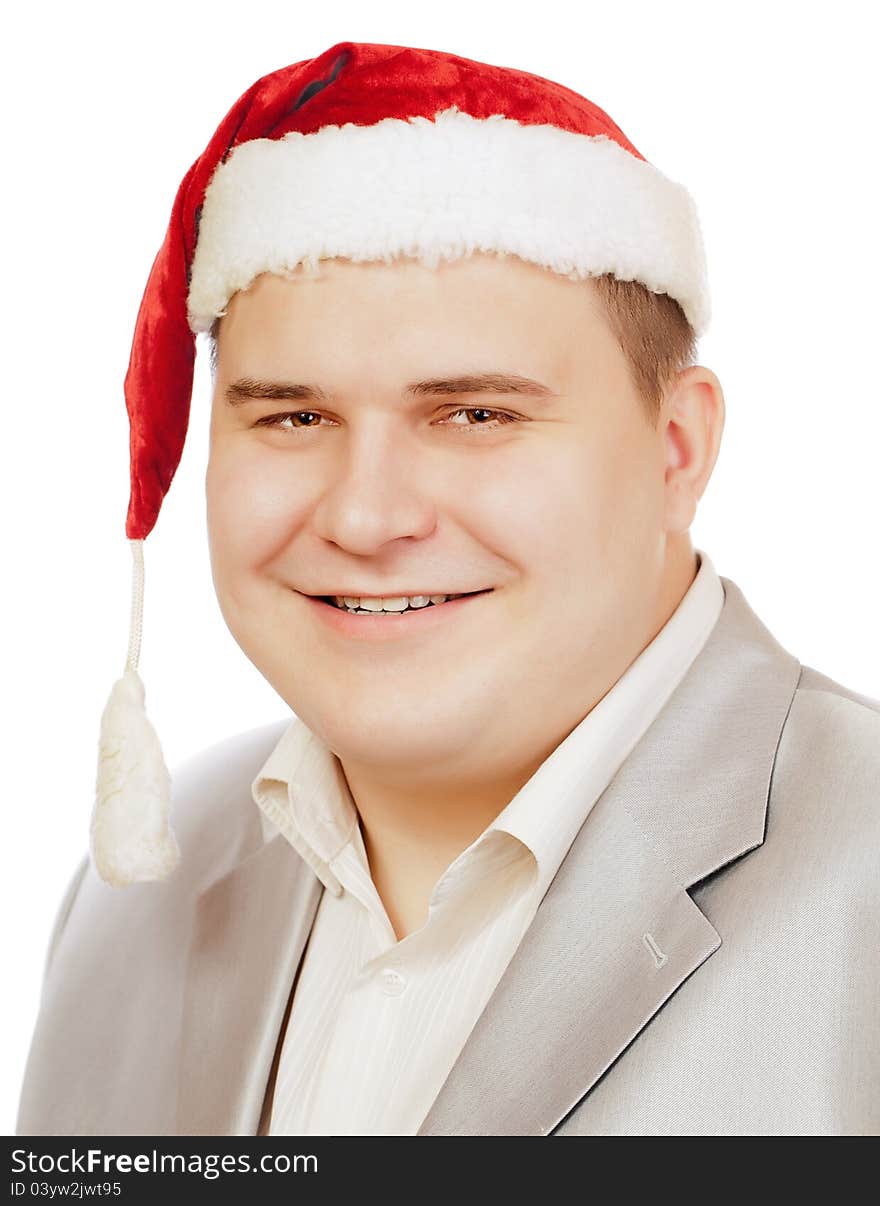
point(376, 495)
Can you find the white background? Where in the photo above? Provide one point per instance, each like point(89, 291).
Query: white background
point(766, 112)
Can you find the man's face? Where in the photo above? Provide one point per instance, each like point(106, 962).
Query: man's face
point(554, 504)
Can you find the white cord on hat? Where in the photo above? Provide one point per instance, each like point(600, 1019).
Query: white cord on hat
point(137, 605)
point(130, 836)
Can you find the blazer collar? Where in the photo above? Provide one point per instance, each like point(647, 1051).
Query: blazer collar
point(615, 936)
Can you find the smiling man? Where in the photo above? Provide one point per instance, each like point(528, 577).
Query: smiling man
point(543, 845)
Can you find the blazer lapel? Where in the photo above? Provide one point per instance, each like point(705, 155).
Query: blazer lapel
point(617, 932)
point(249, 934)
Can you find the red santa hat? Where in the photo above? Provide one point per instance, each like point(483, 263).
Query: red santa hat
point(367, 152)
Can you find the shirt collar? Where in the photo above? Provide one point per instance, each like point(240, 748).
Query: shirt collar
point(302, 792)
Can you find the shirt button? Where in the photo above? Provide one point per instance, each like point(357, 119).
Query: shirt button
point(393, 983)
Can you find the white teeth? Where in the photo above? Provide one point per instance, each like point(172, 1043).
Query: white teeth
point(399, 604)
point(383, 604)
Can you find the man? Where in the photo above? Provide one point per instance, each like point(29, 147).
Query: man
point(559, 840)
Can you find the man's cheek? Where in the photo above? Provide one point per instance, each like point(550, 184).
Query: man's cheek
point(245, 510)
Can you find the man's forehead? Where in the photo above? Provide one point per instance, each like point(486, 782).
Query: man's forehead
point(507, 275)
point(504, 340)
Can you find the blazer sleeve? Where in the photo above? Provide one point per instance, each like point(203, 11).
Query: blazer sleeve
point(63, 913)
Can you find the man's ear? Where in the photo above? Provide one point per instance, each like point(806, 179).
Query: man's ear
point(692, 422)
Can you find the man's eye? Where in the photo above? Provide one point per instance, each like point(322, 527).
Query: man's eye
point(501, 416)
point(276, 420)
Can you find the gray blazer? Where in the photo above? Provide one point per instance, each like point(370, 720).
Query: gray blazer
point(706, 960)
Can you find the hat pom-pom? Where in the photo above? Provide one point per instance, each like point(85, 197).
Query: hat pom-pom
point(131, 837)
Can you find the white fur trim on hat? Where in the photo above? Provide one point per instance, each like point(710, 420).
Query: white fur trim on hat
point(439, 189)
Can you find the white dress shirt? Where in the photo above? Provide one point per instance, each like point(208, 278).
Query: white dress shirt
point(375, 1023)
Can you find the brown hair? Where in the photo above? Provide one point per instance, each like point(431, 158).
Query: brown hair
point(654, 335)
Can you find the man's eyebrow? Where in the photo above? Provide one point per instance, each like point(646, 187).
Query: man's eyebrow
point(247, 389)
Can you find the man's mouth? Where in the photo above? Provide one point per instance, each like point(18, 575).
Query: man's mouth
point(398, 605)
